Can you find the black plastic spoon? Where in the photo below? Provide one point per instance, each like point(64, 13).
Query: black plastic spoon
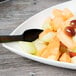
point(28, 35)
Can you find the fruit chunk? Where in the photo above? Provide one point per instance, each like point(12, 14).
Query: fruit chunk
point(57, 22)
point(73, 23)
point(67, 13)
point(46, 35)
point(65, 57)
point(40, 46)
point(52, 48)
point(74, 38)
point(28, 47)
point(69, 31)
point(47, 24)
point(58, 13)
point(54, 57)
point(73, 60)
point(66, 40)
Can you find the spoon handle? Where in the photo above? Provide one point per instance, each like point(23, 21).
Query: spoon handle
point(8, 38)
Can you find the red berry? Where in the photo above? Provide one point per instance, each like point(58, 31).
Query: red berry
point(73, 23)
point(70, 31)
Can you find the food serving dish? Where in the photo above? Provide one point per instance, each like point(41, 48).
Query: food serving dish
point(36, 21)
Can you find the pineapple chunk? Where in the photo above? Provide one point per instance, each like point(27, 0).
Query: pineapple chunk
point(65, 58)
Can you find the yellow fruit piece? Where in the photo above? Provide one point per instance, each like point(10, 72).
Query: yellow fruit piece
point(66, 40)
point(54, 57)
point(58, 13)
point(57, 23)
point(52, 48)
point(64, 14)
point(65, 57)
point(47, 24)
point(67, 13)
point(47, 37)
point(40, 46)
point(39, 53)
point(73, 60)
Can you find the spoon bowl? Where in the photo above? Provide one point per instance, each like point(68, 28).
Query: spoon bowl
point(28, 35)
